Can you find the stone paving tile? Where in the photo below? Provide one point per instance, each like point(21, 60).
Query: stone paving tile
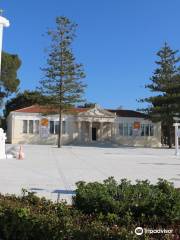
point(53, 172)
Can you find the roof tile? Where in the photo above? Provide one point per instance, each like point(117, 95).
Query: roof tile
point(48, 109)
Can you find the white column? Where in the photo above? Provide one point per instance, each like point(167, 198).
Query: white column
point(28, 126)
point(112, 131)
point(101, 131)
point(176, 125)
point(90, 131)
point(3, 23)
point(116, 127)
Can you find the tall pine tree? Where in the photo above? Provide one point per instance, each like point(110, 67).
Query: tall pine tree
point(8, 81)
point(62, 76)
point(165, 106)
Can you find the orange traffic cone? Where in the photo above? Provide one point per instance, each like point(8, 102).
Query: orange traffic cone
point(20, 153)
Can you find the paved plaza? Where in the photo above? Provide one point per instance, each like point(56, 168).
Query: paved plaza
point(53, 172)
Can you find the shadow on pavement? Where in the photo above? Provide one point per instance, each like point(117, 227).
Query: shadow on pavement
point(163, 164)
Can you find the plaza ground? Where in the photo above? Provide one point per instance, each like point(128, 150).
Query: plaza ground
point(53, 172)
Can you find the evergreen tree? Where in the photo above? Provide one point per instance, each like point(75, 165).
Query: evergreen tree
point(63, 76)
point(165, 106)
point(9, 82)
point(24, 99)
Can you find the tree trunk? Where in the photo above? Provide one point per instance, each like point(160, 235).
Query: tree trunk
point(60, 129)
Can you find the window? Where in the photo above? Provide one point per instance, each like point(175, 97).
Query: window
point(121, 129)
point(151, 130)
point(126, 129)
point(130, 129)
point(142, 130)
point(147, 130)
point(25, 125)
point(56, 127)
point(63, 127)
point(36, 130)
point(51, 127)
point(31, 126)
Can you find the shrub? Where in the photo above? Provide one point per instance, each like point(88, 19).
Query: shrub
point(141, 203)
point(101, 211)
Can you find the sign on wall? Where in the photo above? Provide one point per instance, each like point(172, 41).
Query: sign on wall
point(44, 122)
point(136, 125)
point(44, 128)
point(136, 128)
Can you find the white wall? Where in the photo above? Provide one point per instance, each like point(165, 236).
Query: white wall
point(16, 135)
point(146, 141)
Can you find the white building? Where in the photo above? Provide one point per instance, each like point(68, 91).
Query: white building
point(39, 125)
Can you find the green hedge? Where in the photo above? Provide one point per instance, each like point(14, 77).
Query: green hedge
point(107, 211)
point(141, 203)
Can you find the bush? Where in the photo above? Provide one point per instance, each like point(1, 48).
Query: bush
point(125, 203)
point(107, 211)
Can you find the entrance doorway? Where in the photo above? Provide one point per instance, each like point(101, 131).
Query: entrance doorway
point(94, 134)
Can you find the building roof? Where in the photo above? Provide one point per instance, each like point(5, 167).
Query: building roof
point(49, 109)
point(128, 113)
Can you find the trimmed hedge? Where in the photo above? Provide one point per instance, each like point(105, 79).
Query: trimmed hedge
point(100, 211)
point(141, 203)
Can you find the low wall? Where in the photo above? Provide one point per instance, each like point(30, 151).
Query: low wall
point(36, 139)
point(139, 141)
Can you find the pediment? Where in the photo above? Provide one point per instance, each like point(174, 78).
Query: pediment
point(97, 111)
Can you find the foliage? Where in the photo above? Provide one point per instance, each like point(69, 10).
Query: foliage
point(9, 82)
point(126, 206)
point(3, 123)
point(24, 99)
point(62, 75)
point(87, 105)
point(124, 203)
point(165, 82)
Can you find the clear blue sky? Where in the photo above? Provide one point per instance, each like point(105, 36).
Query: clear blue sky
point(116, 41)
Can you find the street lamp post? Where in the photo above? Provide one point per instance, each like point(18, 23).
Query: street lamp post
point(176, 125)
point(3, 23)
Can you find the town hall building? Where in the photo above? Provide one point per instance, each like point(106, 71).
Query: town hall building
point(39, 125)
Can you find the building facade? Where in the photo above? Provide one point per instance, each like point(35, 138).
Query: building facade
point(37, 125)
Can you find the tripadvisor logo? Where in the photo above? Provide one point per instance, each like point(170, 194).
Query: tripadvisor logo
point(140, 231)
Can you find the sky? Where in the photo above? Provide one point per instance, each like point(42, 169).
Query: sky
point(116, 41)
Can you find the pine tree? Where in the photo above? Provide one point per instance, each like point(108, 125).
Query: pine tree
point(9, 82)
point(165, 106)
point(63, 76)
